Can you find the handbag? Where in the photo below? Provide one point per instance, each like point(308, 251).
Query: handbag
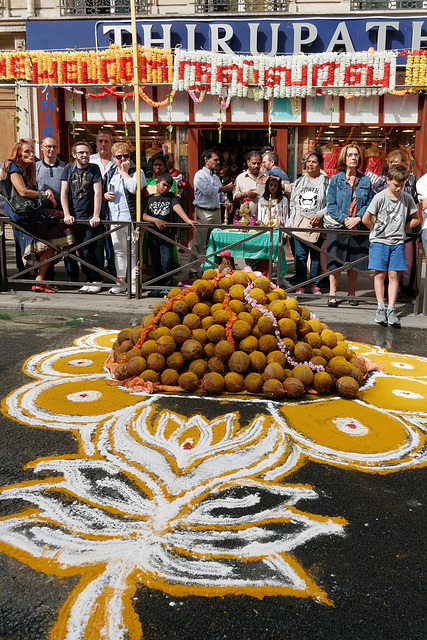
point(20, 204)
point(309, 236)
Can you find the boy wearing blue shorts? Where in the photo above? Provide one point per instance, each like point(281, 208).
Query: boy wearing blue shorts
point(389, 215)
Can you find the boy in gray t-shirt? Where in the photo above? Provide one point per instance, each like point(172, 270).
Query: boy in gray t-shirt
point(389, 215)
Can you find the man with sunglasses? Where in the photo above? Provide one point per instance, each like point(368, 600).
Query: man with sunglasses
point(81, 198)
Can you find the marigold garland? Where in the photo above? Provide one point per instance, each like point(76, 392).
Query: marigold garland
point(416, 69)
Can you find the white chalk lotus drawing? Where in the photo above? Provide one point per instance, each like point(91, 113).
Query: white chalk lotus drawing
point(186, 504)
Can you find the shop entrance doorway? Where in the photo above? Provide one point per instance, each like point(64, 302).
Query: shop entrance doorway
point(232, 150)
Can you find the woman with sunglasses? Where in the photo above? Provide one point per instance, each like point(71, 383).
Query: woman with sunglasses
point(120, 194)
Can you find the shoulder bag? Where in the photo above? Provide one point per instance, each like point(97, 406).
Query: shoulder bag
point(20, 204)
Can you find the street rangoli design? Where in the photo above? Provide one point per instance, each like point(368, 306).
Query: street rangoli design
point(162, 495)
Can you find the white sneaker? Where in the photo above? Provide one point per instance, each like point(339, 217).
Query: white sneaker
point(117, 289)
point(95, 287)
point(84, 289)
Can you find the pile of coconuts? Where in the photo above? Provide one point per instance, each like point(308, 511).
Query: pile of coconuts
point(208, 338)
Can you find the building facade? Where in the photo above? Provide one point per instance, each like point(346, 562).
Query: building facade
point(293, 126)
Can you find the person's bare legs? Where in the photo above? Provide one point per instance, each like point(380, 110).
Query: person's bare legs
point(334, 279)
point(45, 255)
point(393, 287)
point(352, 279)
point(379, 278)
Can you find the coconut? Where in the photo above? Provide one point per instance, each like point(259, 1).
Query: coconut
point(199, 367)
point(289, 344)
point(218, 296)
point(272, 296)
point(135, 334)
point(169, 377)
point(256, 314)
point(221, 316)
point(246, 317)
point(265, 325)
point(294, 315)
point(327, 353)
point(192, 321)
point(200, 335)
point(205, 289)
point(236, 306)
point(123, 335)
point(258, 361)
point(248, 344)
point(156, 362)
point(148, 347)
point(146, 320)
point(213, 382)
point(133, 353)
point(161, 331)
point(315, 325)
point(180, 307)
point(237, 292)
point(304, 374)
point(180, 333)
point(278, 309)
point(216, 307)
point(136, 365)
point(201, 309)
point(169, 319)
point(293, 387)
point(273, 388)
point(302, 351)
point(224, 350)
point(175, 361)
point(258, 295)
point(281, 293)
point(292, 303)
point(313, 339)
point(207, 322)
point(234, 382)
point(239, 362)
point(240, 278)
point(254, 382)
point(126, 346)
point(216, 333)
point(318, 361)
point(210, 274)
point(329, 338)
point(339, 366)
point(166, 345)
point(262, 283)
point(216, 364)
point(188, 381)
point(191, 349)
point(340, 350)
point(209, 350)
point(191, 299)
point(347, 387)
point(225, 283)
point(149, 376)
point(302, 327)
point(304, 312)
point(322, 382)
point(151, 335)
point(174, 292)
point(274, 370)
point(287, 327)
point(276, 356)
point(122, 371)
point(240, 329)
point(267, 343)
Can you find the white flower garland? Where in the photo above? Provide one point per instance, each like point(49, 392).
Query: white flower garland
point(297, 76)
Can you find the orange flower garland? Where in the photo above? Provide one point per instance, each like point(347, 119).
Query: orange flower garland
point(231, 321)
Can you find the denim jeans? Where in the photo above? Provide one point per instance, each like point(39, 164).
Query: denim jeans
point(83, 233)
point(162, 259)
point(302, 251)
point(424, 239)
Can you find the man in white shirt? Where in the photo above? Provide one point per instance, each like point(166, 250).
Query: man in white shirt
point(247, 185)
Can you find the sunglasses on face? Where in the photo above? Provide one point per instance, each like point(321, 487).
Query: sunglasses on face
point(122, 156)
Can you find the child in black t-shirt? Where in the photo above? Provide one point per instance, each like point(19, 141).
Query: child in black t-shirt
point(161, 209)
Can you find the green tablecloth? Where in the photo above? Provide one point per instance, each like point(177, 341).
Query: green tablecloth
point(255, 248)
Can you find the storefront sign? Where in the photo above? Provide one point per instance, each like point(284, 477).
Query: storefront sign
point(254, 36)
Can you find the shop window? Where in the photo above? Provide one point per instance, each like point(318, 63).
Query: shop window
point(397, 5)
point(212, 6)
point(98, 7)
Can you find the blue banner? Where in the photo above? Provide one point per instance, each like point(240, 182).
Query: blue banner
point(242, 35)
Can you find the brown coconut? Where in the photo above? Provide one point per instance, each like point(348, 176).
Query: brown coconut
point(213, 382)
point(273, 388)
point(136, 366)
point(239, 362)
point(191, 349)
point(293, 387)
point(254, 382)
point(199, 367)
point(188, 381)
point(169, 377)
point(166, 345)
point(234, 382)
point(347, 387)
point(224, 350)
point(180, 333)
point(156, 362)
point(216, 333)
point(175, 361)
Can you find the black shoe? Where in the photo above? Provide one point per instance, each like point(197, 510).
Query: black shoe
point(332, 302)
point(154, 294)
point(353, 301)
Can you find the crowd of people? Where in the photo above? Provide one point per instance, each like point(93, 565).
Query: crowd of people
point(65, 204)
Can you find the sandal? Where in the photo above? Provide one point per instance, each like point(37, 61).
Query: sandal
point(43, 289)
point(35, 287)
point(332, 302)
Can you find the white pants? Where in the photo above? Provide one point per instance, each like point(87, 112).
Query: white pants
point(119, 239)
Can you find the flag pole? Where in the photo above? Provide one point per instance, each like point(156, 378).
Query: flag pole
point(137, 130)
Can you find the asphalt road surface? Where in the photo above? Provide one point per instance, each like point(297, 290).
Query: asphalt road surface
point(374, 573)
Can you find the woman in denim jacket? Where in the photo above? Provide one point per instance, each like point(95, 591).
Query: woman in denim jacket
point(347, 199)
